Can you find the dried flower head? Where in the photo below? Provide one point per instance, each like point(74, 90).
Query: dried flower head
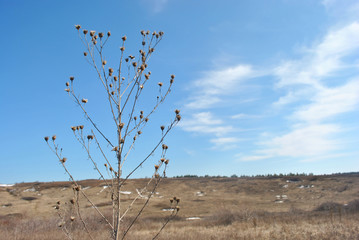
point(163, 159)
point(171, 200)
point(72, 218)
point(100, 35)
point(72, 78)
point(132, 57)
point(54, 138)
point(122, 49)
point(46, 138)
point(167, 161)
point(151, 50)
point(67, 84)
point(178, 117)
point(135, 118)
point(162, 127)
point(141, 86)
point(67, 90)
point(111, 169)
point(113, 93)
point(81, 127)
point(63, 160)
point(177, 111)
point(72, 201)
point(161, 33)
point(157, 175)
point(84, 100)
point(108, 33)
point(143, 43)
point(172, 76)
point(143, 33)
point(146, 119)
point(85, 31)
point(160, 84)
point(110, 70)
point(134, 64)
point(124, 38)
point(92, 33)
point(147, 32)
point(115, 78)
point(147, 76)
point(126, 59)
point(177, 208)
point(90, 137)
point(121, 125)
point(85, 54)
point(164, 147)
point(78, 188)
point(104, 62)
point(122, 140)
point(142, 67)
point(115, 149)
point(157, 167)
point(110, 85)
point(73, 128)
point(78, 27)
point(139, 132)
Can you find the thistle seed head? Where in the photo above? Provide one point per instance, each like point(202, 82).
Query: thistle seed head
point(122, 49)
point(160, 84)
point(178, 117)
point(67, 84)
point(54, 138)
point(78, 27)
point(89, 137)
point(134, 64)
point(84, 100)
point(73, 128)
point(139, 132)
point(100, 35)
point(162, 127)
point(124, 38)
point(85, 54)
point(110, 70)
point(72, 78)
point(167, 161)
point(46, 138)
point(121, 125)
point(115, 78)
point(163, 159)
point(157, 167)
point(108, 34)
point(67, 90)
point(85, 31)
point(63, 160)
point(81, 127)
point(92, 33)
point(72, 218)
point(104, 62)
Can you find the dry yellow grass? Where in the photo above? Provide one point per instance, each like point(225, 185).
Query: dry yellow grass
point(228, 208)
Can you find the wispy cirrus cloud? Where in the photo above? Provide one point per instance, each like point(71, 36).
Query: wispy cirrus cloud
point(213, 85)
point(314, 129)
point(156, 5)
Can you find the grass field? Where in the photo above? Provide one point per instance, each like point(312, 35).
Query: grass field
point(306, 207)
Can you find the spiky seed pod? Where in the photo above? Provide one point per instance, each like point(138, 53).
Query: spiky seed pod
point(121, 125)
point(81, 127)
point(143, 43)
point(100, 35)
point(111, 169)
point(139, 132)
point(177, 111)
point(160, 84)
point(110, 85)
point(162, 127)
point(178, 117)
point(124, 38)
point(142, 32)
point(63, 160)
point(108, 34)
point(146, 119)
point(89, 137)
point(72, 218)
point(73, 128)
point(134, 64)
point(54, 138)
point(92, 33)
point(85, 54)
point(84, 100)
point(163, 159)
point(157, 167)
point(72, 201)
point(122, 49)
point(167, 161)
point(78, 27)
point(67, 90)
point(72, 78)
point(115, 78)
point(46, 138)
point(85, 31)
point(104, 62)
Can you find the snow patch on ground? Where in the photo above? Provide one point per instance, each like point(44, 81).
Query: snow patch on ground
point(193, 218)
point(6, 185)
point(30, 190)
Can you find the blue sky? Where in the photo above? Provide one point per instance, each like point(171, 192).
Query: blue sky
point(263, 86)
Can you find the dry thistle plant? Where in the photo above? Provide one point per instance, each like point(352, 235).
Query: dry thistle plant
point(123, 86)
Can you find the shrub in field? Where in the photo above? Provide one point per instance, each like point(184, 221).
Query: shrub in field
point(123, 85)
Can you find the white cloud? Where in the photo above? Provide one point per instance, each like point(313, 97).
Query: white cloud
point(206, 123)
point(157, 5)
point(209, 89)
point(224, 143)
point(245, 116)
